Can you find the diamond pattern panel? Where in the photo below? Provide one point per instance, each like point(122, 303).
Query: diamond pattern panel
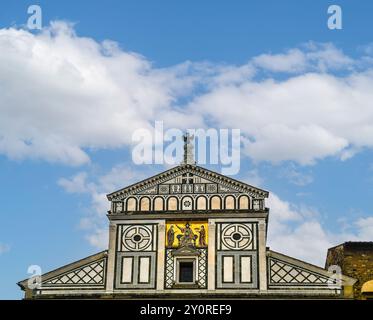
point(202, 268)
point(169, 279)
point(283, 273)
point(91, 274)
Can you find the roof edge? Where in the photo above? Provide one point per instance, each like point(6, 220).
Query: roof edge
point(66, 267)
point(179, 168)
point(320, 269)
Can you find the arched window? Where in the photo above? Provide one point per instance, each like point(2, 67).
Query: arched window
point(244, 202)
point(145, 204)
point(172, 203)
point(158, 204)
point(367, 290)
point(131, 204)
point(215, 203)
point(230, 202)
point(201, 203)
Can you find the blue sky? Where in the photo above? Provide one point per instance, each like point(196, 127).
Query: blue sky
point(299, 92)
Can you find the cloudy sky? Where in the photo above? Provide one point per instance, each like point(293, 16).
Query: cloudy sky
point(72, 94)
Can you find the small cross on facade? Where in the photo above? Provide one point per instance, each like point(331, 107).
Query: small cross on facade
point(187, 178)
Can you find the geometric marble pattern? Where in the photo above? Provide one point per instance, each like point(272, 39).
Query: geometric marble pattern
point(136, 238)
point(202, 268)
point(169, 273)
point(139, 271)
point(236, 236)
point(237, 271)
point(185, 179)
point(283, 273)
point(91, 274)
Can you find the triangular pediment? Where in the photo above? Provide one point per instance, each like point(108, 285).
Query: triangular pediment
point(187, 179)
point(287, 272)
point(87, 272)
point(186, 251)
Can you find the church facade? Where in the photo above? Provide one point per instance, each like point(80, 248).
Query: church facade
point(189, 232)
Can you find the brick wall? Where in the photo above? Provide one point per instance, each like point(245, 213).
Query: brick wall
point(355, 260)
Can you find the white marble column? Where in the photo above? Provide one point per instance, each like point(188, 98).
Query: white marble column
point(262, 256)
point(111, 258)
point(161, 254)
point(211, 269)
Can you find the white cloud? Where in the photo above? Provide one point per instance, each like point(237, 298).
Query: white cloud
point(292, 61)
point(304, 118)
point(296, 176)
point(76, 184)
point(305, 143)
point(253, 178)
point(284, 211)
point(307, 241)
point(297, 231)
point(63, 95)
point(4, 248)
point(314, 57)
point(99, 238)
point(95, 222)
point(365, 227)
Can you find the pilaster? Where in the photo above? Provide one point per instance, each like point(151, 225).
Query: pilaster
point(262, 256)
point(161, 254)
point(111, 257)
point(211, 256)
